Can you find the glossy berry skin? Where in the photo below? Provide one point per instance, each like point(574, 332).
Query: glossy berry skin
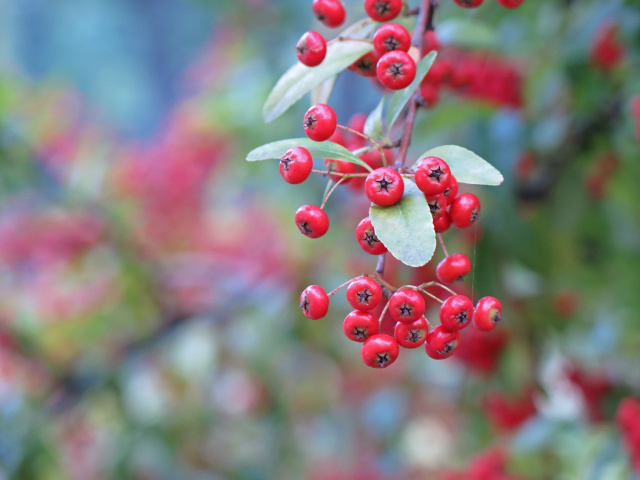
point(311, 49)
point(441, 343)
point(312, 221)
point(406, 305)
point(384, 186)
point(510, 3)
point(367, 239)
point(453, 267)
point(464, 210)
point(451, 192)
point(468, 3)
point(432, 176)
point(382, 10)
point(330, 12)
point(456, 313)
point(391, 36)
point(379, 351)
point(411, 335)
point(366, 64)
point(442, 223)
point(396, 70)
point(437, 205)
point(295, 165)
point(339, 166)
point(364, 293)
point(488, 312)
point(320, 122)
point(314, 302)
point(359, 325)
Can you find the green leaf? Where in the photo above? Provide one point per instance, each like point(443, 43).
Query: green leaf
point(406, 228)
point(322, 92)
point(276, 150)
point(466, 33)
point(373, 125)
point(466, 166)
point(401, 97)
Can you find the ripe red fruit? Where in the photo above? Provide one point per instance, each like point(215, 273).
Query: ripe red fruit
point(510, 3)
point(606, 51)
point(441, 343)
point(320, 122)
point(453, 267)
point(432, 175)
point(442, 223)
point(367, 239)
point(437, 205)
point(329, 12)
point(312, 221)
point(406, 305)
point(456, 312)
point(430, 94)
point(366, 64)
point(396, 70)
point(311, 49)
point(339, 166)
point(379, 351)
point(464, 210)
point(411, 335)
point(439, 73)
point(488, 312)
point(384, 186)
point(314, 302)
point(431, 42)
point(364, 293)
point(383, 10)
point(451, 192)
point(391, 36)
point(295, 165)
point(359, 325)
point(469, 3)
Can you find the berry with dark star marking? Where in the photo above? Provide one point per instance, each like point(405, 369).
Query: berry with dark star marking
point(384, 186)
point(411, 335)
point(379, 351)
point(406, 305)
point(432, 176)
point(359, 325)
point(367, 239)
point(314, 302)
point(396, 70)
point(364, 293)
point(312, 221)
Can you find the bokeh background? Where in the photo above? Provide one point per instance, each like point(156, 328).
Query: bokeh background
point(149, 276)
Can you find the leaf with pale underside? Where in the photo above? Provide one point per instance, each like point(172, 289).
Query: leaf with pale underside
point(466, 166)
point(373, 125)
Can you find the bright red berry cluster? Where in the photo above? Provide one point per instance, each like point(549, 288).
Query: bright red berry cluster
point(628, 418)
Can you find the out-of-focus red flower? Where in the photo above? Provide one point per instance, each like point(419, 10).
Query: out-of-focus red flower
point(479, 351)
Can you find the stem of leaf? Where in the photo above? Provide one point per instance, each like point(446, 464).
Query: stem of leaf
point(326, 198)
point(444, 248)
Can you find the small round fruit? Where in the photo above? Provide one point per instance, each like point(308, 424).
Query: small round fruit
point(312, 221)
point(391, 36)
point(437, 205)
point(406, 305)
point(396, 70)
point(339, 166)
point(314, 302)
point(359, 325)
point(453, 268)
point(442, 223)
point(488, 312)
point(329, 12)
point(295, 165)
point(383, 10)
point(320, 122)
point(464, 210)
point(364, 293)
point(384, 186)
point(456, 312)
point(451, 192)
point(311, 49)
point(441, 343)
point(432, 176)
point(431, 42)
point(379, 351)
point(469, 3)
point(367, 239)
point(411, 335)
point(430, 94)
point(510, 3)
point(366, 64)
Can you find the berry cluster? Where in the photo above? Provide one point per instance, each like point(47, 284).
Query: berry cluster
point(628, 417)
point(477, 3)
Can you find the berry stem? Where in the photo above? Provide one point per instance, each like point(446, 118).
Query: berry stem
point(385, 284)
point(428, 323)
point(336, 174)
point(444, 248)
point(422, 290)
point(384, 310)
point(367, 138)
point(437, 284)
point(337, 289)
point(326, 198)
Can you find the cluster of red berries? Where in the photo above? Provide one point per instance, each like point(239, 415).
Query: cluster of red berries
point(628, 418)
point(477, 3)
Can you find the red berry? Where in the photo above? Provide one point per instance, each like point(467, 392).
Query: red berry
point(311, 49)
point(464, 210)
point(488, 312)
point(469, 3)
point(312, 221)
point(314, 302)
point(441, 343)
point(510, 3)
point(431, 42)
point(339, 166)
point(384, 186)
point(383, 10)
point(379, 351)
point(437, 205)
point(295, 165)
point(432, 175)
point(411, 335)
point(451, 192)
point(366, 64)
point(359, 325)
point(442, 223)
point(391, 36)
point(396, 70)
point(320, 122)
point(364, 293)
point(406, 305)
point(367, 239)
point(439, 73)
point(329, 12)
point(430, 94)
point(453, 267)
point(456, 312)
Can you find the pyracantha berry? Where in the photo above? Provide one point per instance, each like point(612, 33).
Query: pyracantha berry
point(431, 42)
point(430, 95)
point(384, 186)
point(312, 221)
point(396, 70)
point(456, 312)
point(442, 223)
point(469, 3)
point(451, 192)
point(364, 293)
point(432, 175)
point(314, 302)
point(439, 73)
point(382, 10)
point(359, 325)
point(488, 312)
point(320, 122)
point(406, 305)
point(311, 49)
point(379, 351)
point(453, 268)
point(437, 205)
point(366, 64)
point(441, 343)
point(510, 3)
point(295, 165)
point(367, 239)
point(329, 12)
point(464, 210)
point(339, 166)
point(411, 335)
point(391, 36)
